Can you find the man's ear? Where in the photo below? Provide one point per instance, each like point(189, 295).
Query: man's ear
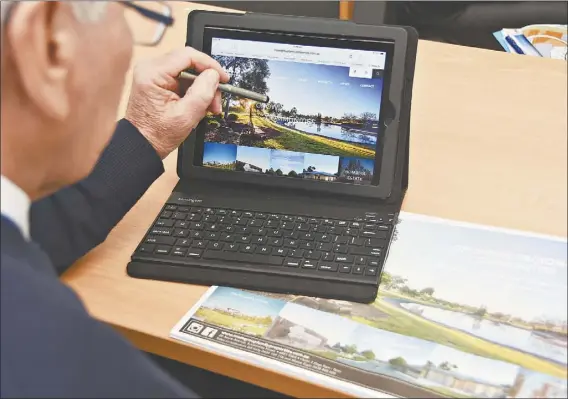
point(42, 40)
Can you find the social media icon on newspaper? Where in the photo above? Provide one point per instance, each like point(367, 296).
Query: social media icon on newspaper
point(195, 328)
point(209, 332)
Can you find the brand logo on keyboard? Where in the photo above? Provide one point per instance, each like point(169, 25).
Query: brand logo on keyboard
point(192, 200)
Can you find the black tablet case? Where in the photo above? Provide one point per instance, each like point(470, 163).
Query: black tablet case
point(401, 171)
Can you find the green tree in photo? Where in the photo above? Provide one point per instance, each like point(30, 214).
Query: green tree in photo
point(369, 354)
point(351, 349)
point(247, 73)
point(398, 363)
point(427, 291)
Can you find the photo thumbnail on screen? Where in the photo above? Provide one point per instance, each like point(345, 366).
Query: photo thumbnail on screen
point(322, 121)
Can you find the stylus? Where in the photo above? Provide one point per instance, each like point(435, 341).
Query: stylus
point(230, 89)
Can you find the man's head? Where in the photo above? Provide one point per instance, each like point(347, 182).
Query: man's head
point(63, 70)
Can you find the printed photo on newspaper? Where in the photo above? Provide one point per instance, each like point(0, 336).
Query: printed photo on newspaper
point(463, 311)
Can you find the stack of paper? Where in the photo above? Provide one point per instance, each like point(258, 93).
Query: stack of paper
point(548, 41)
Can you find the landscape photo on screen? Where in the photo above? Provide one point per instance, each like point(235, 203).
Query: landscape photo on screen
point(321, 121)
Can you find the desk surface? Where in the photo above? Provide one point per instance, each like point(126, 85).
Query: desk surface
point(488, 145)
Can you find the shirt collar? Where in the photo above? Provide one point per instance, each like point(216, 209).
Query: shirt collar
point(15, 205)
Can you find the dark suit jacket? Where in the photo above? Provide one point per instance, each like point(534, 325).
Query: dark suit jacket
point(51, 347)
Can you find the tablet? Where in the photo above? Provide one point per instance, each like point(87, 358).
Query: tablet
point(336, 98)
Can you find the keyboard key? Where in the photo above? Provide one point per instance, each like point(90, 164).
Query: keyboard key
point(372, 262)
point(324, 238)
point(164, 223)
point(374, 242)
point(371, 271)
point(243, 257)
point(161, 231)
point(373, 234)
point(301, 219)
point(291, 243)
point(319, 229)
point(342, 223)
point(358, 269)
point(160, 240)
point(179, 251)
point(368, 226)
point(273, 224)
point(259, 240)
point(291, 234)
point(383, 227)
point(208, 211)
point(260, 215)
point(261, 231)
point(243, 239)
point(313, 255)
point(306, 236)
point(274, 216)
point(274, 233)
point(183, 242)
point(215, 245)
point(275, 242)
point(182, 224)
point(309, 264)
point(170, 207)
point(199, 244)
point(287, 226)
point(256, 223)
point(228, 229)
point(323, 246)
point(221, 212)
point(231, 247)
point(279, 251)
point(181, 233)
point(303, 227)
point(210, 218)
point(314, 221)
point(227, 237)
point(163, 249)
point(179, 215)
point(146, 248)
point(263, 250)
point(328, 256)
point(194, 217)
point(235, 213)
point(242, 221)
point(166, 214)
point(365, 251)
point(296, 253)
point(336, 230)
point(328, 267)
point(248, 214)
point(328, 222)
point(212, 235)
point(196, 234)
point(213, 227)
point(292, 262)
point(196, 226)
point(183, 209)
point(307, 245)
point(195, 209)
point(344, 269)
point(344, 258)
point(352, 232)
point(247, 249)
point(360, 260)
point(194, 253)
point(357, 241)
point(341, 249)
point(355, 225)
point(341, 240)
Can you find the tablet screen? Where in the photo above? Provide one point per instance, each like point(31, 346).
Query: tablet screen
point(323, 118)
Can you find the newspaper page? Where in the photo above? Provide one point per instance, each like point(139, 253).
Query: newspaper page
point(463, 311)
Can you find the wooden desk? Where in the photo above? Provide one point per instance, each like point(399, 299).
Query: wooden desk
point(488, 145)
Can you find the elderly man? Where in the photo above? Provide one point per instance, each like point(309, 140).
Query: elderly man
point(63, 69)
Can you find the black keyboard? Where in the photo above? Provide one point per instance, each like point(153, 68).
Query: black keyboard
point(291, 245)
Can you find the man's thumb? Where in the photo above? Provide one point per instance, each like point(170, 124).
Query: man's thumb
point(200, 94)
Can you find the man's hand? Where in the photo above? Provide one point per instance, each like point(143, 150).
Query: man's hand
point(154, 106)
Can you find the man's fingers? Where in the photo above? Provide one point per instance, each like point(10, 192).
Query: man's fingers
point(178, 60)
point(216, 104)
point(200, 96)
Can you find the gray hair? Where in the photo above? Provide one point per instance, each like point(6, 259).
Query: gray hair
point(85, 11)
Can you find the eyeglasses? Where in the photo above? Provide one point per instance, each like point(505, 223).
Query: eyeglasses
point(148, 20)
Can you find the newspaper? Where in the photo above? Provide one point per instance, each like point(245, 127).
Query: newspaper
point(463, 311)
point(548, 41)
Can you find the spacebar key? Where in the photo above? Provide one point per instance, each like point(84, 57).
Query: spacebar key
point(244, 258)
